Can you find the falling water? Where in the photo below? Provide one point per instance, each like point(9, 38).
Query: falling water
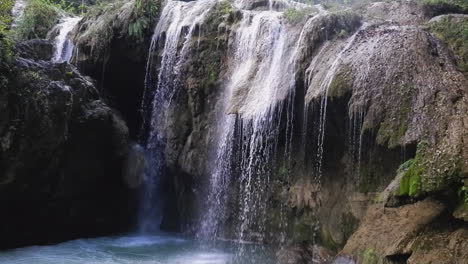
point(322, 89)
point(161, 87)
point(63, 45)
point(260, 96)
point(17, 11)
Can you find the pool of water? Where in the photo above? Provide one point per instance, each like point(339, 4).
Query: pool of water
point(163, 248)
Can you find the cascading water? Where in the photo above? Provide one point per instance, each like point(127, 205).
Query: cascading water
point(17, 11)
point(320, 86)
point(260, 92)
point(63, 44)
point(258, 99)
point(161, 86)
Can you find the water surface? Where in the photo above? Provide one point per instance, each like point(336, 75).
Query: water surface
point(164, 249)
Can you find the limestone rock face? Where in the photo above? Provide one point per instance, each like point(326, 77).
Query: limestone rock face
point(393, 94)
point(61, 154)
point(416, 233)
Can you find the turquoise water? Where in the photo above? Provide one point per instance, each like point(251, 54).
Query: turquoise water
point(164, 249)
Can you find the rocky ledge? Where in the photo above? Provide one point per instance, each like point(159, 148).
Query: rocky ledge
point(61, 153)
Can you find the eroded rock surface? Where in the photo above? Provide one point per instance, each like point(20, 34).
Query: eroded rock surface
point(61, 154)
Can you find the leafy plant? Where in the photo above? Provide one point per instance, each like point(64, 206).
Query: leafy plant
point(144, 11)
point(463, 194)
point(5, 40)
point(295, 16)
point(39, 17)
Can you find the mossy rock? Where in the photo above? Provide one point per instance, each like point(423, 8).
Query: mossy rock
point(393, 128)
point(303, 228)
point(453, 30)
point(410, 184)
point(369, 256)
point(461, 212)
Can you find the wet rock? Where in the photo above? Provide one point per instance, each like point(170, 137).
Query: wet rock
point(440, 246)
point(36, 49)
point(304, 254)
point(399, 226)
point(461, 212)
point(134, 166)
point(61, 154)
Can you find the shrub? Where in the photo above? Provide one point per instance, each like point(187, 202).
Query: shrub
point(454, 31)
point(143, 13)
point(39, 17)
point(122, 18)
point(439, 7)
point(295, 16)
point(463, 194)
point(5, 41)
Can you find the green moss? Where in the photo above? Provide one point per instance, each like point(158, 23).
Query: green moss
point(370, 256)
point(303, 228)
point(394, 127)
point(410, 184)
point(38, 19)
point(209, 54)
point(454, 31)
point(349, 225)
point(219, 13)
point(224, 8)
point(338, 85)
point(463, 194)
point(327, 241)
point(461, 211)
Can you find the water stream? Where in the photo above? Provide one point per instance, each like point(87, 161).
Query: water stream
point(63, 45)
point(17, 11)
point(161, 87)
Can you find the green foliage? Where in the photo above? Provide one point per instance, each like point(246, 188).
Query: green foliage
point(122, 18)
point(454, 31)
point(39, 17)
point(413, 169)
point(295, 16)
point(222, 9)
point(463, 194)
point(144, 11)
point(439, 7)
point(370, 256)
point(6, 52)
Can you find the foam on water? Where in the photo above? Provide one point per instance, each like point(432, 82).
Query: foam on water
point(163, 248)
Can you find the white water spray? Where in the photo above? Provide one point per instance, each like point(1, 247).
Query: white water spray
point(161, 86)
point(63, 45)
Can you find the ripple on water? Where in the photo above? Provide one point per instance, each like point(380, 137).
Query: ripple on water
point(162, 249)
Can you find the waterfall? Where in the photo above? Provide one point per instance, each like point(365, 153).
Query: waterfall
point(320, 86)
point(17, 11)
point(259, 94)
point(177, 23)
point(63, 44)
